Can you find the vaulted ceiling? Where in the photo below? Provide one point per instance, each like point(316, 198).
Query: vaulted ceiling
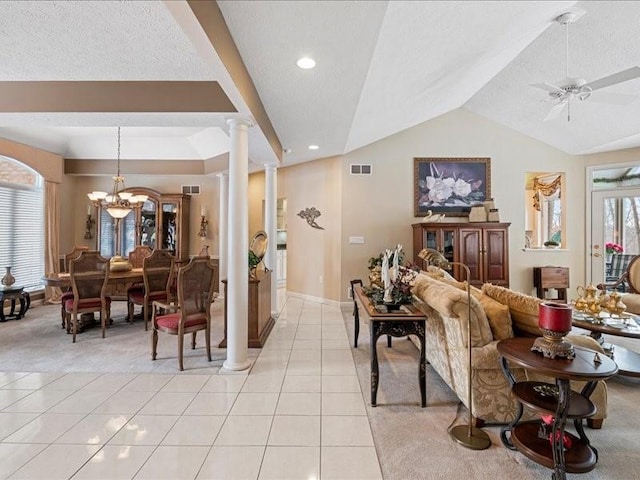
point(381, 67)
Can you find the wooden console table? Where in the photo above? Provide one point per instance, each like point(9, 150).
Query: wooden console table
point(545, 278)
point(407, 321)
point(260, 320)
point(557, 400)
point(14, 293)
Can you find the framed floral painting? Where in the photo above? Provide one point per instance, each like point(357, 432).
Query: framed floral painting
point(450, 185)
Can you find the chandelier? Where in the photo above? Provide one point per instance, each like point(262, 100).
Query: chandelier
point(118, 204)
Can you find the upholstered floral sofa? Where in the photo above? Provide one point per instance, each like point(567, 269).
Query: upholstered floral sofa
point(496, 313)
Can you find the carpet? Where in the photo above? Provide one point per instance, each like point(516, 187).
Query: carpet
point(37, 343)
point(413, 444)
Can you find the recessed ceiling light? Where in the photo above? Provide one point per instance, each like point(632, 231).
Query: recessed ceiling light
point(306, 63)
point(313, 147)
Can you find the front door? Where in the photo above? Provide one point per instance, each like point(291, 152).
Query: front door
point(615, 219)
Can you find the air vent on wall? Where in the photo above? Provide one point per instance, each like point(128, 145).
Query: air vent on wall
point(191, 189)
point(360, 169)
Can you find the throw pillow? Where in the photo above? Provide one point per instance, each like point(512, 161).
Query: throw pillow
point(523, 308)
point(497, 313)
point(451, 302)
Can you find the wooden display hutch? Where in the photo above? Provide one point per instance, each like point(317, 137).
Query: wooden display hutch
point(162, 222)
point(483, 247)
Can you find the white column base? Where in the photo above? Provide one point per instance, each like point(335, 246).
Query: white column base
point(236, 367)
point(275, 315)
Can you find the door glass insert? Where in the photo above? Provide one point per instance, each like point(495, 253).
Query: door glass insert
point(169, 227)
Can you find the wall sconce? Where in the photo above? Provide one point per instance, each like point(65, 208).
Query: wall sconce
point(89, 224)
point(203, 222)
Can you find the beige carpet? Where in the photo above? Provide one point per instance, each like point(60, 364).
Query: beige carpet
point(37, 343)
point(413, 443)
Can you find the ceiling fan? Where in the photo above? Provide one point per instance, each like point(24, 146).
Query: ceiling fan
point(577, 89)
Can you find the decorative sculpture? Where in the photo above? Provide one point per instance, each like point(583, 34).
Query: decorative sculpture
point(386, 279)
point(431, 218)
point(310, 215)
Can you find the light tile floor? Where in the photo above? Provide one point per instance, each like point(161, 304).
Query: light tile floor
point(299, 414)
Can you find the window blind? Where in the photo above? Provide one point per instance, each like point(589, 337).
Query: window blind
point(22, 234)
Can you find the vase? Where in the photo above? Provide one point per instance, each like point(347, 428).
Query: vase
point(8, 279)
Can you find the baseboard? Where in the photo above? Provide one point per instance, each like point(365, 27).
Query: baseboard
point(311, 298)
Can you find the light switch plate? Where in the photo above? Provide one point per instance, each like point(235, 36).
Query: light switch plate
point(356, 240)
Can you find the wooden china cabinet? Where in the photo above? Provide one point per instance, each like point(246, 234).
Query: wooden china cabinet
point(162, 222)
point(483, 247)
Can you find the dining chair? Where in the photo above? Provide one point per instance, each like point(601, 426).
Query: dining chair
point(138, 254)
point(135, 258)
point(68, 295)
point(192, 311)
point(157, 272)
point(89, 273)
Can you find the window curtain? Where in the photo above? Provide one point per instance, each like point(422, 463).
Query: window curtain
point(545, 189)
point(51, 237)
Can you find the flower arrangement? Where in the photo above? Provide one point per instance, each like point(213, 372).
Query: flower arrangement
point(546, 427)
point(613, 248)
point(390, 285)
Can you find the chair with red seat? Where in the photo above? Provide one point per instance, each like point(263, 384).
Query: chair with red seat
point(193, 310)
point(136, 258)
point(89, 273)
point(157, 270)
point(68, 295)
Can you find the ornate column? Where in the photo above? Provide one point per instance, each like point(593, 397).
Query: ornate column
point(238, 247)
point(271, 226)
point(223, 191)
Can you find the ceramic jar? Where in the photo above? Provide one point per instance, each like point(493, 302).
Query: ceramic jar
point(8, 279)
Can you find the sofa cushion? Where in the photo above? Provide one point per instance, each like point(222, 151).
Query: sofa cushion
point(523, 308)
point(498, 315)
point(437, 272)
point(451, 302)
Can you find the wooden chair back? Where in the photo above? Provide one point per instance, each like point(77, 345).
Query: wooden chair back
point(195, 287)
point(633, 275)
point(73, 254)
point(138, 254)
point(157, 270)
point(89, 273)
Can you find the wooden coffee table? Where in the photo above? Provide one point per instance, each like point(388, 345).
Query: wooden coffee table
point(406, 321)
point(628, 326)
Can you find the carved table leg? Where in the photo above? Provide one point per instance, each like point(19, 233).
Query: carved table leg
point(559, 468)
point(422, 372)
point(356, 321)
point(506, 439)
point(373, 327)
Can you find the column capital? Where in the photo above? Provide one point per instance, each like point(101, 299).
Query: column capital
point(272, 167)
point(221, 175)
point(240, 121)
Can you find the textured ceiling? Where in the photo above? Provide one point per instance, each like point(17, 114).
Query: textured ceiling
point(382, 67)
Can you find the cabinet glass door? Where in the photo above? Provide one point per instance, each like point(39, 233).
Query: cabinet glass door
point(148, 230)
point(448, 244)
point(169, 227)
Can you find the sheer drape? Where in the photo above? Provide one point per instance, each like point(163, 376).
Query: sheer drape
point(51, 236)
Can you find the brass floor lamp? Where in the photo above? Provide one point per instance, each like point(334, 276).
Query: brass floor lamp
point(466, 435)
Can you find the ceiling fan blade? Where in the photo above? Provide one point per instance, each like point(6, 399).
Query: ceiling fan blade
point(623, 76)
point(612, 98)
point(548, 87)
point(555, 111)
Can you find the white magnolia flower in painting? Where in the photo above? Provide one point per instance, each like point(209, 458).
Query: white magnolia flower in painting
point(440, 189)
point(461, 188)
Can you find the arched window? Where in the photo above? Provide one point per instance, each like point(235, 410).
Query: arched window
point(21, 223)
